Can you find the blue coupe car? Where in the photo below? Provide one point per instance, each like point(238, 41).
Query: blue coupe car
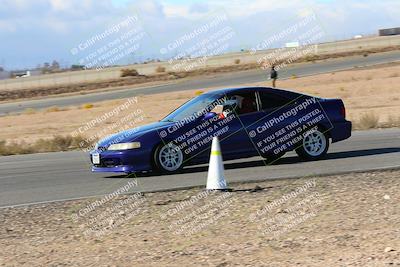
point(254, 121)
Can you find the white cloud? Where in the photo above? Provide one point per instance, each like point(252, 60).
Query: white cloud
point(177, 11)
point(149, 8)
point(61, 5)
point(7, 26)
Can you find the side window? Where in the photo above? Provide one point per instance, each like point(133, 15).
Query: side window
point(271, 100)
point(244, 102)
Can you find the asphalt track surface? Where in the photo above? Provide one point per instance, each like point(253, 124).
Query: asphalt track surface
point(224, 80)
point(36, 178)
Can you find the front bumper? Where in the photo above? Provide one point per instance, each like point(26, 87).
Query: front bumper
point(126, 161)
point(121, 168)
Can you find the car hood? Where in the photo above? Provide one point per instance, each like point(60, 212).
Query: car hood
point(132, 134)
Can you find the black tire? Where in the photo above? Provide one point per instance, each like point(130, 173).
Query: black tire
point(310, 150)
point(160, 162)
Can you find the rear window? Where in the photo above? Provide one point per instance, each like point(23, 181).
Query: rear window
point(270, 100)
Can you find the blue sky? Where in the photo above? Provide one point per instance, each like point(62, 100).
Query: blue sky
point(34, 32)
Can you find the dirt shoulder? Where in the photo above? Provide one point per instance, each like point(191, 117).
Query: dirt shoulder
point(341, 220)
point(67, 88)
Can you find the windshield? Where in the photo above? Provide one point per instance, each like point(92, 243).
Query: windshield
point(195, 108)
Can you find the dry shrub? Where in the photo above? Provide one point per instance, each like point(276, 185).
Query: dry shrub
point(52, 109)
point(29, 111)
point(293, 76)
point(310, 58)
point(199, 92)
point(394, 75)
point(160, 69)
point(15, 148)
point(57, 143)
point(369, 121)
point(3, 148)
point(237, 61)
point(129, 72)
point(393, 121)
point(87, 106)
point(64, 143)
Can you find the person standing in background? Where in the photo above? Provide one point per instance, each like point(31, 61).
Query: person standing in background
point(273, 76)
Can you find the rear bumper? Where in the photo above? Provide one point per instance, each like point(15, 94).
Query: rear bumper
point(340, 131)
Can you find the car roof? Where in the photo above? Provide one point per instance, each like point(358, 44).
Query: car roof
point(254, 88)
point(231, 90)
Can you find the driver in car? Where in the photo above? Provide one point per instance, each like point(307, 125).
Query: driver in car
point(237, 104)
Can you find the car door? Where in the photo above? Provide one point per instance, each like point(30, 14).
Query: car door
point(264, 130)
point(238, 143)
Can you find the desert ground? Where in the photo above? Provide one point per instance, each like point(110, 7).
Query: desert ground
point(89, 80)
point(371, 96)
point(340, 220)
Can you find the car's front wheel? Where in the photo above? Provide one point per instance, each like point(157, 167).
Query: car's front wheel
point(168, 158)
point(315, 145)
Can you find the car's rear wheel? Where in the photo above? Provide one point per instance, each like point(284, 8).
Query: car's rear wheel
point(168, 158)
point(315, 145)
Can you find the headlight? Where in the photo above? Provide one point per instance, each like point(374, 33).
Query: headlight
point(124, 146)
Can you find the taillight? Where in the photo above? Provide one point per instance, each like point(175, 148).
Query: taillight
point(343, 111)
